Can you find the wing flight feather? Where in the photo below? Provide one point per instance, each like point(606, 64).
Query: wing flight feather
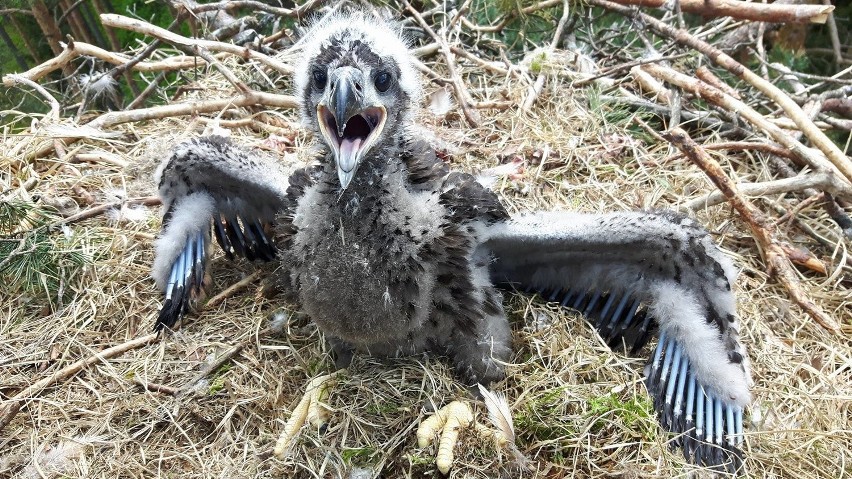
point(210, 184)
point(631, 273)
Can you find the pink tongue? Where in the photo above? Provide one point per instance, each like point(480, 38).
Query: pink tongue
point(348, 150)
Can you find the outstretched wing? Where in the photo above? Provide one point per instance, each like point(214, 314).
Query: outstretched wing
point(208, 183)
point(626, 272)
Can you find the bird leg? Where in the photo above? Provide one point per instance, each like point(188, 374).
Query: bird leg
point(311, 408)
point(448, 421)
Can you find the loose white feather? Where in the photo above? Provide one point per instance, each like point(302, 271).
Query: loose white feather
point(499, 413)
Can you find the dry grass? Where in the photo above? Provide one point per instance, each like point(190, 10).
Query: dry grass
point(579, 409)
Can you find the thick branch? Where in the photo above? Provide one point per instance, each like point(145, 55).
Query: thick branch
point(21, 80)
point(720, 58)
point(755, 11)
point(797, 183)
point(762, 229)
point(717, 97)
point(76, 49)
point(193, 108)
point(127, 23)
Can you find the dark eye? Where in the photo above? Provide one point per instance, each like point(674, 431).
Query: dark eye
point(383, 81)
point(319, 79)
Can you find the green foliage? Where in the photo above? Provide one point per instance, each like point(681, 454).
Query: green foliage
point(635, 412)
point(218, 382)
point(796, 61)
point(523, 31)
point(543, 417)
point(537, 63)
point(34, 260)
point(358, 455)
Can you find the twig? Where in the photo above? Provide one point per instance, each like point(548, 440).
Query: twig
point(101, 209)
point(22, 80)
point(720, 58)
point(774, 187)
point(627, 66)
point(535, 89)
point(76, 49)
point(716, 96)
point(707, 76)
point(508, 18)
point(18, 11)
point(193, 108)
point(462, 95)
point(650, 85)
point(139, 100)
point(156, 388)
point(225, 71)
point(703, 119)
point(776, 258)
point(98, 158)
point(127, 23)
point(496, 67)
point(142, 55)
point(771, 148)
point(230, 290)
point(754, 11)
point(832, 33)
point(297, 12)
point(819, 197)
point(13, 405)
point(218, 362)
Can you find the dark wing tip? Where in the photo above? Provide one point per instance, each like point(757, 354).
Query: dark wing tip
point(618, 317)
point(710, 429)
point(244, 237)
point(186, 281)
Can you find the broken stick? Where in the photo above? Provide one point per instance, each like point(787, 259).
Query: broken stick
point(762, 229)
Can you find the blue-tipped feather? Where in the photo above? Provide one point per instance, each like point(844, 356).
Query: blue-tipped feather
point(677, 408)
point(709, 429)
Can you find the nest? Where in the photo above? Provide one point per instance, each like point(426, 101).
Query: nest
point(574, 140)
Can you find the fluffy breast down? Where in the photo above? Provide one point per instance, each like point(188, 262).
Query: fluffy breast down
point(361, 267)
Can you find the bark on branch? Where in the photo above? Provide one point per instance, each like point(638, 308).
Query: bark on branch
point(127, 23)
point(718, 97)
point(192, 108)
point(720, 58)
point(76, 49)
point(758, 12)
point(762, 228)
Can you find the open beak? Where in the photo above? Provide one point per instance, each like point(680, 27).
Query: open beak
point(349, 126)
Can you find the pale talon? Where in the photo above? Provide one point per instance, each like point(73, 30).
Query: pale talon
point(311, 409)
point(379, 237)
point(449, 420)
point(485, 432)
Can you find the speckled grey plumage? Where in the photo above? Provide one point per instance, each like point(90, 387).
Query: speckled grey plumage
point(389, 266)
point(409, 255)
